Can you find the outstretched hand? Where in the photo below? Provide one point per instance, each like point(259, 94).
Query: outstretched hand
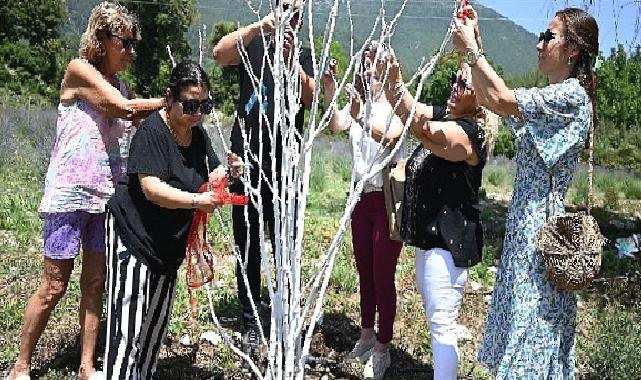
point(466, 36)
point(329, 78)
point(394, 75)
point(217, 175)
point(392, 68)
point(235, 164)
point(267, 23)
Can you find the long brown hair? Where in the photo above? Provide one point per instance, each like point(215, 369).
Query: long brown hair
point(582, 33)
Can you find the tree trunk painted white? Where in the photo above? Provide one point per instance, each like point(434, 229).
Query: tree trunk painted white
point(296, 307)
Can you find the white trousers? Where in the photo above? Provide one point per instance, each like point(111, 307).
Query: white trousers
point(441, 285)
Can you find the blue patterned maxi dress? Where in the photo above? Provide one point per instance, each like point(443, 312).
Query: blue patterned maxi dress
point(530, 328)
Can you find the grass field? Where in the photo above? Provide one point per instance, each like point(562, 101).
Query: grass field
point(609, 331)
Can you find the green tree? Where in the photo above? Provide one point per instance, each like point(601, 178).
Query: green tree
point(162, 23)
point(335, 52)
point(225, 80)
point(437, 88)
point(33, 21)
point(27, 65)
point(618, 135)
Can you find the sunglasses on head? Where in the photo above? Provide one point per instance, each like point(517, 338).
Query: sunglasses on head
point(191, 106)
point(126, 42)
point(547, 36)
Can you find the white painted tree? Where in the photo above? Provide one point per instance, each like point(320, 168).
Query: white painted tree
point(296, 305)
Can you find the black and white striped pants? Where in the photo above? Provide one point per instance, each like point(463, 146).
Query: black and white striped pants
point(138, 309)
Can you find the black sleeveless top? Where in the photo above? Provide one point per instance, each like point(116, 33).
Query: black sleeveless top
point(441, 208)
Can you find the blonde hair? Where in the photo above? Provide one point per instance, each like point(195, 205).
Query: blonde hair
point(105, 17)
point(489, 122)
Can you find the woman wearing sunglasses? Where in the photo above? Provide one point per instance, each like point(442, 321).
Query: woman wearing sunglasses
point(94, 125)
point(441, 207)
point(148, 220)
point(530, 328)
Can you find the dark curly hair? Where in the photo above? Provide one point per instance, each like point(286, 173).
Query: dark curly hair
point(582, 33)
point(187, 73)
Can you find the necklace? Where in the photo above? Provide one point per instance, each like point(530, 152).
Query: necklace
point(183, 141)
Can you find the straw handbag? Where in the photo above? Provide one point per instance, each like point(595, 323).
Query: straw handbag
point(571, 244)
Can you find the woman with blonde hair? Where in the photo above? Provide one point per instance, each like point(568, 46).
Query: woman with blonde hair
point(94, 125)
point(441, 205)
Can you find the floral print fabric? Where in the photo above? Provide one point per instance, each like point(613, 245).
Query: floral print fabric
point(88, 157)
point(530, 328)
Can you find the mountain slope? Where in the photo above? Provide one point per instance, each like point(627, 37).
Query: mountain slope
point(420, 30)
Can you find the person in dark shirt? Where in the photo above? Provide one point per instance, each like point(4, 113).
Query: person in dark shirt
point(440, 209)
point(148, 221)
point(255, 122)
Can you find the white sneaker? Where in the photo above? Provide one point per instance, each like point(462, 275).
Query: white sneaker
point(376, 365)
point(361, 349)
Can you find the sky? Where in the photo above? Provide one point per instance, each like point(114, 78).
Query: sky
point(534, 15)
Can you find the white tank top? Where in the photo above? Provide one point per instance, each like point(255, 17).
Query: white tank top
point(367, 153)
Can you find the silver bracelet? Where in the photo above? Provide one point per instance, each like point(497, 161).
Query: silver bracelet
point(398, 86)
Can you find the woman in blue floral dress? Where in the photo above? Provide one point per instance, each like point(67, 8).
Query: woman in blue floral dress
point(530, 328)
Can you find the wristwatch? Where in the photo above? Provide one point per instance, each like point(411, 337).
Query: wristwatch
point(471, 56)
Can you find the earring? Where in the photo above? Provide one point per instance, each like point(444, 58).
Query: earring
point(569, 61)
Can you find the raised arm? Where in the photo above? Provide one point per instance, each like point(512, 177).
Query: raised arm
point(84, 81)
point(492, 93)
point(384, 134)
point(399, 98)
point(339, 120)
point(448, 140)
point(226, 50)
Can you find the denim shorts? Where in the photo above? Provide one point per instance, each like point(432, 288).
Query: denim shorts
point(66, 232)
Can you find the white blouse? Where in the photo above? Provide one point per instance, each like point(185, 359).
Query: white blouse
point(367, 153)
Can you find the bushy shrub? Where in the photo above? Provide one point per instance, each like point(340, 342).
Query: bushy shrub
point(504, 143)
point(609, 357)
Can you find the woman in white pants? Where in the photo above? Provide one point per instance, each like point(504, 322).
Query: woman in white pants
point(440, 211)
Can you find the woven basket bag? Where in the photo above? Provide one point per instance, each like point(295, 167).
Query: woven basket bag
point(572, 244)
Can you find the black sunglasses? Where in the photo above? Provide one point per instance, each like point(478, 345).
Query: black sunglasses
point(126, 42)
point(547, 36)
point(191, 106)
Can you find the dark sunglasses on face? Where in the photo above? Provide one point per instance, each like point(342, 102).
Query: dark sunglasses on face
point(191, 106)
point(126, 42)
point(547, 36)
